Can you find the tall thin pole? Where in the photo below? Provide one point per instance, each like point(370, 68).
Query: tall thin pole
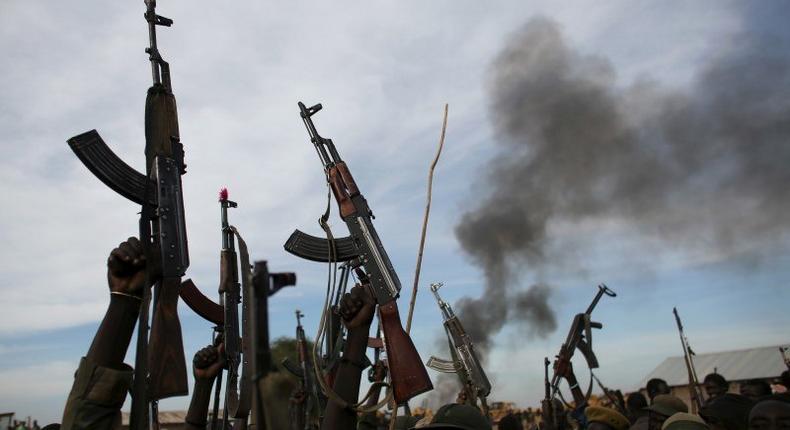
point(425, 223)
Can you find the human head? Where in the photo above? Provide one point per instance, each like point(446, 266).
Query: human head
point(785, 379)
point(405, 422)
point(656, 387)
point(684, 421)
point(601, 418)
point(663, 407)
point(771, 413)
point(509, 422)
point(51, 427)
point(459, 417)
point(728, 412)
point(715, 385)
point(755, 389)
point(635, 404)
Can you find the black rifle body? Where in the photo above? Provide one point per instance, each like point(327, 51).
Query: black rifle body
point(579, 337)
point(465, 362)
point(688, 357)
point(160, 367)
point(409, 377)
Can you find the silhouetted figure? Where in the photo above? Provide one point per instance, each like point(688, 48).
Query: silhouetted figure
point(771, 413)
point(635, 406)
point(663, 407)
point(755, 389)
point(715, 386)
point(656, 387)
point(461, 417)
point(601, 418)
point(510, 422)
point(728, 412)
point(684, 421)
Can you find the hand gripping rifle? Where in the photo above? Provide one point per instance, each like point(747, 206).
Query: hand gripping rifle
point(688, 357)
point(313, 405)
point(409, 377)
point(579, 337)
point(160, 367)
point(464, 362)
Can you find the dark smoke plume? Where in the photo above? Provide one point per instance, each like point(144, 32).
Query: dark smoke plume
point(703, 168)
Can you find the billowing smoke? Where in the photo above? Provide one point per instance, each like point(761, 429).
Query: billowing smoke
point(703, 168)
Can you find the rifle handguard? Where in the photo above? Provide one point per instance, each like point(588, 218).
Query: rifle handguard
point(314, 248)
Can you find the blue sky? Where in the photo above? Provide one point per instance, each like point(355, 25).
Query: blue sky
point(383, 73)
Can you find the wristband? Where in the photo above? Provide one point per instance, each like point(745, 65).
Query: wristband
point(118, 293)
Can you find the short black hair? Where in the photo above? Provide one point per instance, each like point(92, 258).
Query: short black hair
point(764, 387)
point(785, 378)
point(635, 402)
point(717, 379)
point(653, 384)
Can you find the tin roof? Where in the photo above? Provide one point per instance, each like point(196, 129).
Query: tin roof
point(165, 417)
point(739, 365)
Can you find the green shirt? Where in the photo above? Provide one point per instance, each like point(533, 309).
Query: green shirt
point(96, 397)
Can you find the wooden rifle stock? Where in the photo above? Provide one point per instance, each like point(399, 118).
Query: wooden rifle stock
point(344, 203)
point(167, 368)
point(409, 377)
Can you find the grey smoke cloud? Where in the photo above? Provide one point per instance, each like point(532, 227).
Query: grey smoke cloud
point(702, 168)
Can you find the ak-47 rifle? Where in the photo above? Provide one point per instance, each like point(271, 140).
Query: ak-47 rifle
point(160, 367)
point(615, 396)
point(311, 409)
point(408, 375)
point(579, 337)
point(225, 315)
point(377, 372)
point(688, 357)
point(464, 362)
point(547, 404)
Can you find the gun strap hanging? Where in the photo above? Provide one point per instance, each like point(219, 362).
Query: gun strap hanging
point(320, 335)
point(242, 402)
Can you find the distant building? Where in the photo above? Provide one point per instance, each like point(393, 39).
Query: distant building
point(168, 420)
point(765, 363)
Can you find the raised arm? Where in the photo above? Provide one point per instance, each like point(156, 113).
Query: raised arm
point(102, 379)
point(356, 309)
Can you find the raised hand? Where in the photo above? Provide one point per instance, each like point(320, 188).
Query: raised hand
point(357, 306)
point(126, 268)
point(208, 362)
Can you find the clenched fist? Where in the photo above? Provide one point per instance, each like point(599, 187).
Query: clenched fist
point(357, 307)
point(126, 268)
point(208, 362)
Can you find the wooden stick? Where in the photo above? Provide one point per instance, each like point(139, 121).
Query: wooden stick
point(425, 224)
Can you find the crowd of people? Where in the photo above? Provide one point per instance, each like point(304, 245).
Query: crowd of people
point(102, 382)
